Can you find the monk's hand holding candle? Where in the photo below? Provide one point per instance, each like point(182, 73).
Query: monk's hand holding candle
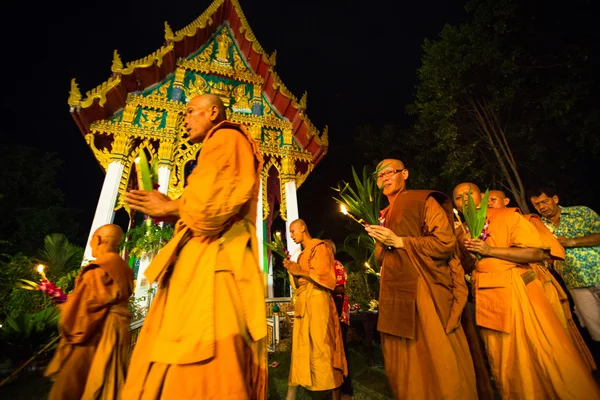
point(152, 203)
point(478, 246)
point(385, 236)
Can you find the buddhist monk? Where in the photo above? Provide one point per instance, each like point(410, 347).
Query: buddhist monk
point(558, 299)
point(422, 293)
point(204, 335)
point(530, 354)
point(318, 358)
point(92, 356)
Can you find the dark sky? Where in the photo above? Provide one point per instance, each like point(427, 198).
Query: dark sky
point(356, 59)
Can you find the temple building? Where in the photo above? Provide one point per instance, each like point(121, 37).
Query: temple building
point(141, 108)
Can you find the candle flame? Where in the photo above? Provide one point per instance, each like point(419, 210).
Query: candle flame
point(367, 265)
point(40, 268)
point(343, 209)
point(455, 211)
point(278, 233)
point(137, 160)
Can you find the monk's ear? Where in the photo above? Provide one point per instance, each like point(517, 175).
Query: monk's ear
point(555, 199)
point(405, 174)
point(214, 112)
point(506, 201)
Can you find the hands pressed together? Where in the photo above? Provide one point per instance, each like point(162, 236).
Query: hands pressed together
point(385, 236)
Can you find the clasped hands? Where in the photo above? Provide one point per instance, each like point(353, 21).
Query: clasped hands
point(385, 236)
point(478, 246)
point(292, 267)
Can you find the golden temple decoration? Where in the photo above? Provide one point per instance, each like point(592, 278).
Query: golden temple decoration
point(271, 138)
point(155, 103)
point(287, 137)
point(288, 169)
point(264, 177)
point(103, 156)
point(273, 59)
point(165, 153)
point(201, 22)
point(129, 112)
point(104, 127)
point(302, 104)
point(198, 65)
point(169, 36)
point(120, 147)
point(151, 119)
point(242, 100)
point(301, 177)
point(283, 200)
point(223, 46)
point(196, 87)
point(99, 92)
point(74, 94)
point(117, 64)
point(179, 77)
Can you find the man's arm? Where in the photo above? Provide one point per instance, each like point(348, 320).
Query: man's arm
point(513, 254)
point(590, 240)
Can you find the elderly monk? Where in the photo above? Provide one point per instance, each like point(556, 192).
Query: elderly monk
point(552, 289)
point(93, 353)
point(204, 335)
point(530, 354)
point(318, 359)
point(422, 293)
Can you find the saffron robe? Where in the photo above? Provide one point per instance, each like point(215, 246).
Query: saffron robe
point(318, 358)
point(205, 334)
point(422, 296)
point(529, 351)
point(92, 356)
point(555, 294)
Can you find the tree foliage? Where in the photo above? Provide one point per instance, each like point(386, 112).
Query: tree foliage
point(31, 204)
point(505, 98)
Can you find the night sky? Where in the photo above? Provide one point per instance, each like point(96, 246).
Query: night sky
point(357, 60)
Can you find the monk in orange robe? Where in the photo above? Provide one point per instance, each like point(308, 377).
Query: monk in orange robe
point(422, 293)
point(530, 354)
point(552, 290)
point(205, 334)
point(318, 358)
point(92, 356)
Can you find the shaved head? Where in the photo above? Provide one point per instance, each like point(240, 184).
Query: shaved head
point(390, 162)
point(110, 234)
point(202, 114)
point(210, 100)
point(497, 199)
point(461, 192)
point(299, 232)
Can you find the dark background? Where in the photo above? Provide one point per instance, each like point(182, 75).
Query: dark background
point(357, 60)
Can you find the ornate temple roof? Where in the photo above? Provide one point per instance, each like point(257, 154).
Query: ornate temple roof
point(105, 100)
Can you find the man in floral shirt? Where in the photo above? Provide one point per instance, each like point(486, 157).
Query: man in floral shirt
point(343, 308)
point(578, 230)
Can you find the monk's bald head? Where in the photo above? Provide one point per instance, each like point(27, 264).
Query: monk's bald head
point(498, 199)
point(461, 193)
point(202, 114)
point(390, 162)
point(109, 237)
point(299, 231)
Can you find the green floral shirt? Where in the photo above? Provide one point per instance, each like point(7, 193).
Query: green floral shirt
point(581, 267)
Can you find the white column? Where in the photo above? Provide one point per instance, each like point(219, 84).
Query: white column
point(260, 235)
point(105, 211)
point(291, 215)
point(164, 174)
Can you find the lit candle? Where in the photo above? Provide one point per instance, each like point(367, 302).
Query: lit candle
point(40, 270)
point(458, 219)
point(278, 233)
point(345, 212)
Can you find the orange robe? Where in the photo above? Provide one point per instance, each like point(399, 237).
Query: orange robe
point(318, 358)
point(529, 351)
point(205, 334)
point(92, 356)
point(422, 296)
point(554, 292)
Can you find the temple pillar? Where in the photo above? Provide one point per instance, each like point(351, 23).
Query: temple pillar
point(105, 210)
point(261, 239)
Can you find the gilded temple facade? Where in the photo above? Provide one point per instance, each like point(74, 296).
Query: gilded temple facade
point(141, 108)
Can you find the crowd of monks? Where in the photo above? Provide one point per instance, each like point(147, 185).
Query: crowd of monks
point(459, 317)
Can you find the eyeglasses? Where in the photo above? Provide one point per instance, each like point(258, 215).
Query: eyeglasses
point(388, 174)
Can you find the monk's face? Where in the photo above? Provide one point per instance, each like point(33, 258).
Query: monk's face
point(497, 199)
point(461, 194)
point(547, 206)
point(297, 232)
point(392, 177)
point(200, 117)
